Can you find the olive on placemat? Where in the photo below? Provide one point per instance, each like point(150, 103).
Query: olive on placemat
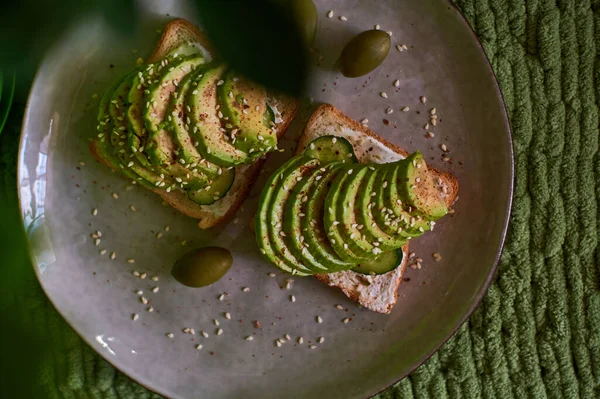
point(364, 52)
point(203, 266)
point(305, 14)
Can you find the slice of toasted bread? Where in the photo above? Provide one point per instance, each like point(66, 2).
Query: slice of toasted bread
point(176, 33)
point(378, 293)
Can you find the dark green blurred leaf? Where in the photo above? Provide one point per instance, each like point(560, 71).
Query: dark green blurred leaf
point(258, 38)
point(29, 27)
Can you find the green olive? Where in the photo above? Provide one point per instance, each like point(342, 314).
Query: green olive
point(364, 52)
point(202, 267)
point(306, 17)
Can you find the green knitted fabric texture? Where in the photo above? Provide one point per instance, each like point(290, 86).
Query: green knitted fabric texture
point(536, 333)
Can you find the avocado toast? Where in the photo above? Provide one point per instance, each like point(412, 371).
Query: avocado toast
point(329, 220)
point(189, 128)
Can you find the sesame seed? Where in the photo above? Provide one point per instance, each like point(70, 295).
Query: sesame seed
point(219, 331)
point(204, 334)
point(249, 338)
point(192, 331)
point(423, 99)
point(154, 278)
point(113, 255)
point(144, 300)
point(246, 289)
point(167, 228)
point(312, 346)
point(183, 243)
point(135, 316)
point(364, 121)
point(278, 343)
point(319, 319)
point(155, 289)
point(376, 27)
point(405, 109)
point(159, 235)
point(383, 94)
point(321, 340)
point(300, 340)
point(130, 260)
point(102, 252)
point(404, 47)
point(199, 346)
point(385, 184)
point(346, 320)
point(115, 195)
point(288, 283)
point(339, 307)
point(443, 147)
point(150, 309)
point(139, 292)
point(396, 83)
point(170, 335)
point(143, 276)
point(389, 110)
point(330, 14)
point(399, 48)
point(432, 111)
point(227, 315)
point(429, 135)
point(97, 241)
point(292, 298)
point(343, 19)
point(94, 211)
point(271, 274)
point(221, 297)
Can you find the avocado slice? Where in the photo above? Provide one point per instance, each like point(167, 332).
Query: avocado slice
point(263, 226)
point(243, 102)
point(332, 218)
point(275, 216)
point(179, 126)
point(313, 228)
point(160, 146)
point(117, 108)
point(364, 213)
point(294, 212)
point(104, 144)
point(349, 228)
point(207, 131)
point(417, 186)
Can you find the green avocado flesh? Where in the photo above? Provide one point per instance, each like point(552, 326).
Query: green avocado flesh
point(319, 214)
point(160, 126)
point(244, 104)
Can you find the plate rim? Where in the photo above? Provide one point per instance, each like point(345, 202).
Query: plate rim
point(474, 305)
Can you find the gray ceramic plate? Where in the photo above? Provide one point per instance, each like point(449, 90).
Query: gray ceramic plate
point(60, 185)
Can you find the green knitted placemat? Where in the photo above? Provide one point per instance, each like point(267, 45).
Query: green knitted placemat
point(536, 333)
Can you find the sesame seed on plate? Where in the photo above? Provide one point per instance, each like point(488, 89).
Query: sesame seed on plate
point(204, 334)
point(150, 309)
point(312, 346)
point(167, 228)
point(130, 260)
point(143, 276)
point(94, 211)
point(199, 346)
point(132, 208)
point(227, 315)
point(404, 47)
point(300, 340)
point(376, 27)
point(136, 273)
point(221, 297)
point(405, 109)
point(219, 331)
point(159, 235)
point(278, 343)
point(429, 135)
point(102, 252)
point(113, 255)
point(271, 274)
point(396, 83)
point(389, 32)
point(319, 319)
point(97, 241)
point(115, 195)
point(135, 316)
point(383, 94)
point(343, 19)
point(154, 278)
point(338, 306)
point(330, 14)
point(170, 335)
point(346, 320)
point(423, 99)
point(139, 292)
point(364, 121)
point(443, 147)
point(321, 340)
point(192, 331)
point(249, 338)
point(399, 48)
point(288, 283)
point(432, 111)
point(144, 300)
point(155, 289)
